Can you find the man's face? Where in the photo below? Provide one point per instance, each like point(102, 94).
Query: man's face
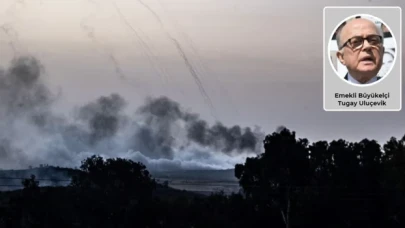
point(362, 59)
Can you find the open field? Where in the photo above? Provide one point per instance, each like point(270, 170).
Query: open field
point(203, 187)
point(200, 181)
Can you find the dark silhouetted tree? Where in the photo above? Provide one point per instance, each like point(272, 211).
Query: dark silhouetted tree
point(394, 181)
point(115, 174)
point(274, 178)
point(292, 184)
point(30, 183)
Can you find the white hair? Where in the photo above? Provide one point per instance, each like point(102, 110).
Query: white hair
point(339, 30)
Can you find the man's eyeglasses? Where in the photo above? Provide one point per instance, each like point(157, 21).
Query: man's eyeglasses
point(358, 41)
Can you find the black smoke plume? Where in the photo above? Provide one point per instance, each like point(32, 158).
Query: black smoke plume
point(103, 117)
point(21, 90)
point(160, 133)
point(163, 112)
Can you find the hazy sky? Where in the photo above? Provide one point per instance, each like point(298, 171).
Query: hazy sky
point(260, 61)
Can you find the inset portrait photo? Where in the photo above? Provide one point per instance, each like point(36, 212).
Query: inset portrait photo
point(362, 50)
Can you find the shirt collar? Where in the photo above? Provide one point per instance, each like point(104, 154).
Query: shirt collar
point(354, 81)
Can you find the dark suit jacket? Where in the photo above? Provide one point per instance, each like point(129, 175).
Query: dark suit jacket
point(347, 77)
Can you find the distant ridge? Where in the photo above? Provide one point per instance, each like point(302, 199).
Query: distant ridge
point(50, 172)
point(202, 175)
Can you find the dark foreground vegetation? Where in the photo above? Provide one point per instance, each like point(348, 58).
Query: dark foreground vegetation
point(292, 184)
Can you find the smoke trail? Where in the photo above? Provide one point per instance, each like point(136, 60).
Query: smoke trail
point(12, 34)
point(205, 69)
point(151, 11)
point(119, 71)
point(183, 55)
point(90, 31)
point(145, 48)
point(7, 30)
point(194, 74)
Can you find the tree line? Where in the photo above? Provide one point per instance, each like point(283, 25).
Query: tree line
point(293, 183)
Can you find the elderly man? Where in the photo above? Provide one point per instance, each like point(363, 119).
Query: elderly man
point(361, 50)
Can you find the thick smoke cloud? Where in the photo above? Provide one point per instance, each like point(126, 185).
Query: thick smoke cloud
point(103, 117)
point(21, 90)
point(159, 133)
point(163, 113)
point(25, 103)
point(155, 137)
point(221, 137)
point(9, 153)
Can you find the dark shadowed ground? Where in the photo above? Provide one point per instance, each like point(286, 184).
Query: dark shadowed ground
point(200, 181)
